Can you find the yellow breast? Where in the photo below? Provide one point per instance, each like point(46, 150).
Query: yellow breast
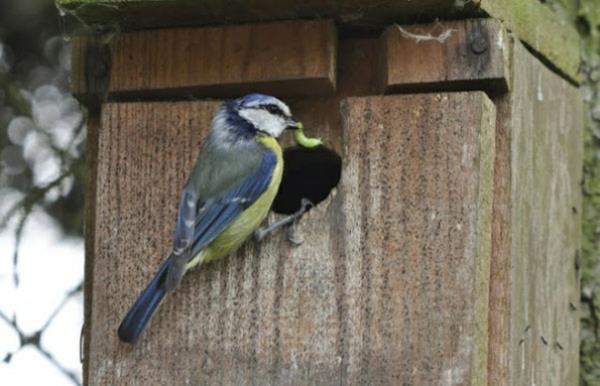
point(249, 219)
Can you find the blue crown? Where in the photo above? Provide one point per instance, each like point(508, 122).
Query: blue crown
point(253, 99)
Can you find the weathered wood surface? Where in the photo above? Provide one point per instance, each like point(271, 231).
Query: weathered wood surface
point(390, 285)
point(357, 76)
point(468, 54)
point(532, 254)
point(546, 32)
point(90, 70)
point(288, 58)
point(500, 280)
point(358, 65)
point(144, 153)
point(547, 150)
point(534, 299)
point(139, 14)
point(420, 169)
point(91, 158)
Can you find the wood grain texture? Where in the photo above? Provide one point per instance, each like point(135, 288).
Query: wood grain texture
point(91, 158)
point(90, 70)
point(358, 64)
point(417, 195)
point(500, 276)
point(534, 286)
point(144, 155)
point(546, 123)
point(545, 31)
point(389, 287)
point(474, 56)
point(140, 14)
point(286, 58)
point(549, 33)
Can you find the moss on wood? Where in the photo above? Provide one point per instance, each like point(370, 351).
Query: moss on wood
point(586, 16)
point(533, 23)
point(140, 14)
point(543, 30)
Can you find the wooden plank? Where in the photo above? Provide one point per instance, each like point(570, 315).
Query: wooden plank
point(552, 36)
point(419, 226)
point(547, 32)
point(91, 157)
point(390, 286)
point(546, 229)
point(500, 266)
point(456, 55)
point(357, 74)
point(286, 59)
point(141, 14)
point(144, 153)
point(358, 62)
point(358, 65)
point(537, 229)
point(90, 70)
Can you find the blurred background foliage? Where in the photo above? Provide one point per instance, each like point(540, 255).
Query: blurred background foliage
point(42, 140)
point(43, 134)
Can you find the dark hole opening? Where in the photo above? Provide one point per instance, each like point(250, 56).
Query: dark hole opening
point(307, 173)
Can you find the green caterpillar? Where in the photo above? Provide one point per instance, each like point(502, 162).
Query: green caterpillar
point(303, 140)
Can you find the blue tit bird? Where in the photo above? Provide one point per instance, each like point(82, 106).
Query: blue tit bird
point(226, 197)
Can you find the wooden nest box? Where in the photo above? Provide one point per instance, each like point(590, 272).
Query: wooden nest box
point(445, 255)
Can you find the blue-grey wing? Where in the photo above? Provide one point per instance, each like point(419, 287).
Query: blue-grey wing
point(220, 212)
point(213, 215)
point(184, 228)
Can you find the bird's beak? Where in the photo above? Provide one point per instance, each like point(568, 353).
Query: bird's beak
point(293, 125)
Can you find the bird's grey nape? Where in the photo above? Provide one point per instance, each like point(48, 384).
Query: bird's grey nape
point(228, 129)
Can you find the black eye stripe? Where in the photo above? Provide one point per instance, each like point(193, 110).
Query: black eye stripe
point(273, 109)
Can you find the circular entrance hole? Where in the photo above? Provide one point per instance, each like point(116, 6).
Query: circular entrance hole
point(307, 173)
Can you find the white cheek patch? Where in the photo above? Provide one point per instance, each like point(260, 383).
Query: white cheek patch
point(263, 120)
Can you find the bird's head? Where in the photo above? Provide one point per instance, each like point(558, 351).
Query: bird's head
point(265, 114)
point(251, 114)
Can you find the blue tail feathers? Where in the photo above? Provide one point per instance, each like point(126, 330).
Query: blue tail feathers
point(140, 313)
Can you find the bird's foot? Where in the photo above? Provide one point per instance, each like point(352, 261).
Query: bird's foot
point(292, 234)
point(291, 220)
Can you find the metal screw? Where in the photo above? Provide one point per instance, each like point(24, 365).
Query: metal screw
point(479, 45)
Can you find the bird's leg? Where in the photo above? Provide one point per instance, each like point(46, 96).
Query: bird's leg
point(291, 220)
point(292, 233)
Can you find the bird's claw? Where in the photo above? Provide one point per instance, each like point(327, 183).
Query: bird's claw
point(305, 205)
point(292, 234)
point(291, 221)
point(260, 233)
